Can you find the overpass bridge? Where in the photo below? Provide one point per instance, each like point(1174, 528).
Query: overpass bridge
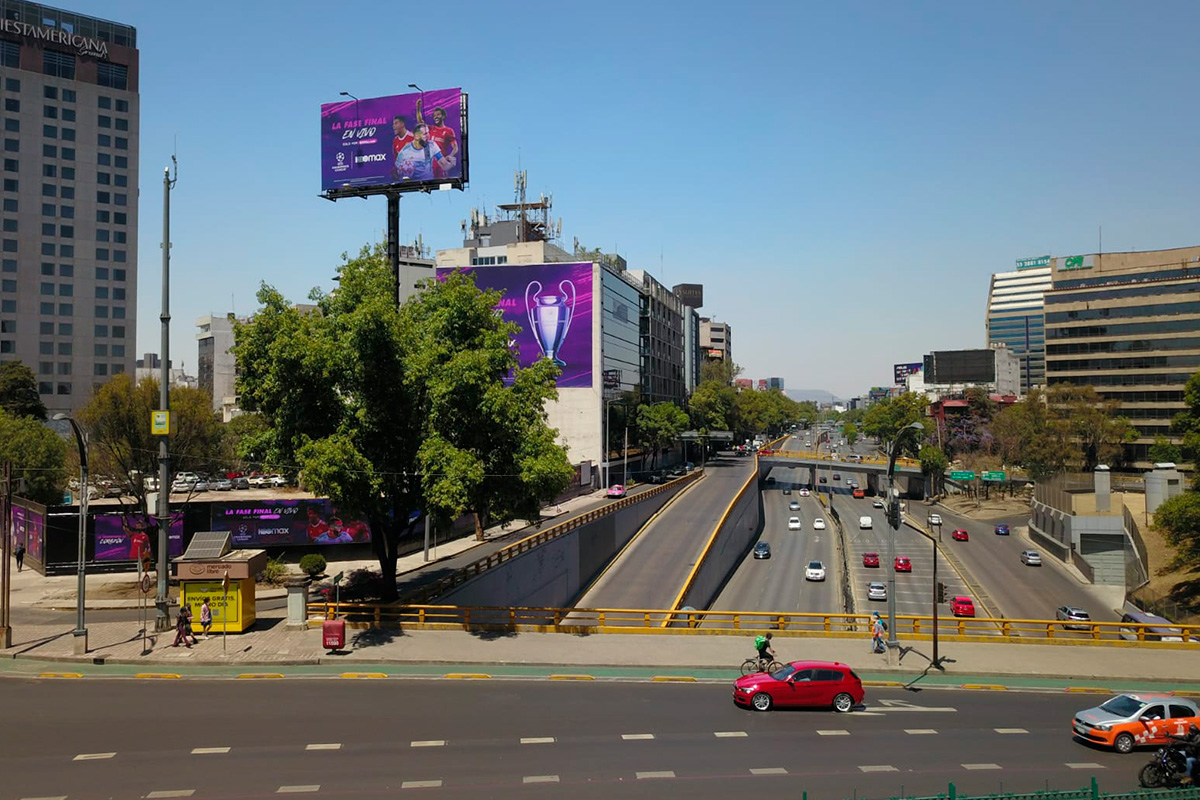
point(908, 476)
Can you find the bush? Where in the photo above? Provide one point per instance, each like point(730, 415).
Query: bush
point(275, 571)
point(312, 564)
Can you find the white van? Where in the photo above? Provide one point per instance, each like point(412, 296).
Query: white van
point(864, 523)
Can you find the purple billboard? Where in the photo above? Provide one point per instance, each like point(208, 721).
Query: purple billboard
point(551, 304)
point(405, 142)
point(124, 537)
point(28, 528)
point(269, 523)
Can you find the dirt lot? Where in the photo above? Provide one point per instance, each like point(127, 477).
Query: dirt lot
point(992, 508)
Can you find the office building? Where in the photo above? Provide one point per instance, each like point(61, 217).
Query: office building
point(150, 366)
point(692, 358)
point(662, 341)
point(1127, 324)
point(716, 340)
point(68, 206)
point(216, 370)
point(775, 383)
point(1015, 317)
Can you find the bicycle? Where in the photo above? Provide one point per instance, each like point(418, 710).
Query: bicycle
point(755, 664)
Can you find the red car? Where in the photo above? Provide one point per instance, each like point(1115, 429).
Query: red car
point(959, 535)
point(870, 559)
point(902, 564)
point(801, 683)
point(962, 607)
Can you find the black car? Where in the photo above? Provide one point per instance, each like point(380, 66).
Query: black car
point(823, 480)
point(787, 491)
point(656, 477)
point(762, 550)
point(837, 477)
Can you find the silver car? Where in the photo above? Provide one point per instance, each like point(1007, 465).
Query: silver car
point(1074, 618)
point(1031, 558)
point(876, 590)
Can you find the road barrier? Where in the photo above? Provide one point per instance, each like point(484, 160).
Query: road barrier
point(909, 463)
point(837, 624)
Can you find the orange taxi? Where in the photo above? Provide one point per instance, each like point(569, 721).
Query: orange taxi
point(1133, 719)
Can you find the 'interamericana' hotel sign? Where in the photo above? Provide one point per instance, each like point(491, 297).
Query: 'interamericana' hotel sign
point(84, 45)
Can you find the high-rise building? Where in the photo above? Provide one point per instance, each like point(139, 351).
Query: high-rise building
point(1129, 325)
point(68, 222)
point(216, 370)
point(662, 341)
point(1015, 317)
point(775, 383)
point(715, 339)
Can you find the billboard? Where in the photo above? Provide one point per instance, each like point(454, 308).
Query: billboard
point(690, 294)
point(551, 304)
point(28, 528)
point(122, 537)
point(902, 371)
point(271, 523)
point(406, 142)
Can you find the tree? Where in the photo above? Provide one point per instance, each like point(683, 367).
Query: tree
point(19, 391)
point(719, 370)
point(1095, 428)
point(1029, 434)
point(38, 456)
point(886, 418)
point(1179, 520)
point(1187, 422)
point(487, 447)
point(242, 442)
point(1164, 450)
point(711, 406)
point(659, 425)
point(850, 431)
point(933, 465)
point(121, 448)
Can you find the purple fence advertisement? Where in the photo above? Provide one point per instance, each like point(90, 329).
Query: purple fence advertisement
point(287, 522)
point(401, 140)
point(123, 537)
point(552, 306)
point(29, 529)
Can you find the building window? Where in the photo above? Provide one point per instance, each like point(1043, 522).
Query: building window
point(67, 193)
point(49, 190)
point(114, 76)
point(45, 388)
point(101, 215)
point(10, 205)
point(68, 115)
point(50, 112)
point(118, 351)
point(65, 329)
point(66, 251)
point(12, 104)
point(66, 271)
point(101, 331)
point(119, 256)
point(64, 348)
point(68, 173)
point(123, 106)
point(9, 265)
point(121, 199)
point(8, 306)
point(119, 218)
point(11, 84)
point(101, 234)
point(103, 197)
point(103, 159)
point(48, 248)
point(118, 293)
point(46, 328)
point(120, 180)
point(64, 388)
point(101, 312)
point(118, 312)
point(99, 369)
point(101, 292)
point(12, 146)
point(7, 285)
point(10, 56)
point(59, 65)
point(119, 275)
point(12, 125)
point(50, 92)
point(68, 95)
point(11, 165)
point(66, 231)
point(103, 140)
point(47, 269)
point(47, 309)
point(47, 288)
point(101, 273)
point(48, 229)
point(118, 331)
point(68, 134)
point(64, 368)
point(122, 143)
point(122, 124)
point(67, 212)
point(10, 226)
point(117, 369)
point(102, 254)
point(6, 346)
point(104, 121)
point(119, 237)
point(66, 309)
point(49, 151)
point(12, 185)
point(100, 351)
point(66, 290)
point(49, 171)
point(103, 178)
point(10, 245)
point(104, 102)
point(121, 162)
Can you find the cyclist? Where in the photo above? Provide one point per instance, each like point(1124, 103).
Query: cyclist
point(766, 654)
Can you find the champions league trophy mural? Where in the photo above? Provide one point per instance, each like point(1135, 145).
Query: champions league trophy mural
point(550, 317)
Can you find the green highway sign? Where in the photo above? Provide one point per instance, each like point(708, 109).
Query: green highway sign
point(994, 476)
point(962, 475)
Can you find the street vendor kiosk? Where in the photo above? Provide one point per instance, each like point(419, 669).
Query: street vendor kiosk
point(211, 571)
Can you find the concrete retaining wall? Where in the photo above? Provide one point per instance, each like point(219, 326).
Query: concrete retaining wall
point(553, 574)
point(729, 545)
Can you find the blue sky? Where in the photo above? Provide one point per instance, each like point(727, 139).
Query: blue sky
point(843, 178)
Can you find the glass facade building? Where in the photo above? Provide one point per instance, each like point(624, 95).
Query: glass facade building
point(1016, 319)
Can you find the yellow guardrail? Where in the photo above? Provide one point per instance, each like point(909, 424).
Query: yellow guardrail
point(806, 455)
point(541, 537)
point(641, 620)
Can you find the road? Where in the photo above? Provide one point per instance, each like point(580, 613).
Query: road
point(526, 739)
point(651, 571)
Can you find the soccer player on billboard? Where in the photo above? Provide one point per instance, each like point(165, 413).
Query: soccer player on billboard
point(443, 136)
point(402, 136)
point(415, 161)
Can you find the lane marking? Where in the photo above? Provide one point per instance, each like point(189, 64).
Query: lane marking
point(171, 793)
point(368, 675)
point(1011, 730)
point(631, 737)
point(157, 675)
point(730, 734)
point(421, 785)
point(312, 787)
point(1084, 765)
point(60, 797)
point(537, 740)
point(666, 773)
point(878, 768)
point(253, 675)
point(92, 756)
point(980, 766)
point(329, 746)
point(769, 771)
point(919, 731)
point(60, 675)
point(430, 743)
point(833, 733)
point(540, 779)
point(572, 677)
point(674, 678)
point(202, 751)
point(467, 676)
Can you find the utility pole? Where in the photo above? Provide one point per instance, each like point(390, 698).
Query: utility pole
point(162, 617)
point(6, 568)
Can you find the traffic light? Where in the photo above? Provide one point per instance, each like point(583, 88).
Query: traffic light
point(941, 592)
point(893, 515)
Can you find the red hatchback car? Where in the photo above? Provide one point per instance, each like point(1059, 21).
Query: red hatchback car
point(959, 535)
point(962, 607)
point(801, 683)
point(870, 559)
point(902, 564)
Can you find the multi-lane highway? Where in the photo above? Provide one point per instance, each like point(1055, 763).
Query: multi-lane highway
point(525, 739)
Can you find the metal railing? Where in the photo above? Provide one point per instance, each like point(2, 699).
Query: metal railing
point(617, 620)
point(517, 548)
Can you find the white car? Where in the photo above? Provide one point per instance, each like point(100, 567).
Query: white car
point(794, 524)
point(876, 591)
point(815, 571)
point(865, 523)
point(935, 519)
point(877, 503)
point(818, 524)
point(804, 492)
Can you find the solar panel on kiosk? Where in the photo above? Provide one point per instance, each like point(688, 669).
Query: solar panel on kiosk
point(208, 545)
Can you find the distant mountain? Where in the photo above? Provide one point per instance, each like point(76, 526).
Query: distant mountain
point(811, 395)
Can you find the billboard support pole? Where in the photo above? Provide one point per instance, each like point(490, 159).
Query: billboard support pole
point(162, 615)
point(393, 237)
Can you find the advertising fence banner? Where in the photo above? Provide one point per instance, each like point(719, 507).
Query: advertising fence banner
point(29, 527)
point(287, 522)
point(124, 537)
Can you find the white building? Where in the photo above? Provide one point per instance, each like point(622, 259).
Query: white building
point(216, 366)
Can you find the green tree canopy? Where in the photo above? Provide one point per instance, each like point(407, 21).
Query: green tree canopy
point(886, 418)
point(38, 456)
point(850, 431)
point(1031, 435)
point(1094, 427)
point(659, 425)
point(19, 391)
point(1178, 518)
point(1164, 450)
point(711, 406)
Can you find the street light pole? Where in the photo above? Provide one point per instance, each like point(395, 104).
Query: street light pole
point(893, 516)
point(162, 614)
point(80, 633)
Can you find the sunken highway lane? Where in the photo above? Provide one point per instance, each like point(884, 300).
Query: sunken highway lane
point(511, 738)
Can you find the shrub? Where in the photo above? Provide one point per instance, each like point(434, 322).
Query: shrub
point(275, 571)
point(312, 564)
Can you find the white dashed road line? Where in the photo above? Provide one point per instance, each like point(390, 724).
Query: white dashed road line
point(171, 793)
point(1084, 765)
point(540, 779)
point(60, 797)
point(329, 746)
point(636, 737)
point(312, 787)
point(537, 740)
point(204, 751)
point(769, 771)
point(430, 743)
point(729, 734)
point(1011, 730)
point(420, 784)
point(666, 773)
point(919, 731)
point(833, 733)
point(878, 768)
point(92, 756)
point(981, 766)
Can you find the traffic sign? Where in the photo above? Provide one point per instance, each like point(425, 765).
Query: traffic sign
point(338, 578)
point(145, 583)
point(994, 476)
point(963, 475)
point(160, 423)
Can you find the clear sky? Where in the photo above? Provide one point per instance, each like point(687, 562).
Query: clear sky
point(842, 177)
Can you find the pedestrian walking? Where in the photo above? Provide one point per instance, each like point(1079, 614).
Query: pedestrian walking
point(20, 555)
point(205, 618)
point(877, 629)
point(183, 627)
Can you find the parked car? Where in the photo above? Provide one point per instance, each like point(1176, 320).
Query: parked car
point(762, 550)
point(818, 524)
point(1074, 618)
point(1133, 719)
point(275, 481)
point(902, 564)
point(962, 607)
point(815, 571)
point(257, 481)
point(1002, 530)
point(801, 683)
point(960, 535)
point(794, 523)
point(1031, 558)
point(876, 590)
point(616, 490)
point(200, 486)
point(870, 559)
point(222, 485)
point(241, 483)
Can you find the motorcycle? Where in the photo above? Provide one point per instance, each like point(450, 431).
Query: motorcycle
point(1167, 767)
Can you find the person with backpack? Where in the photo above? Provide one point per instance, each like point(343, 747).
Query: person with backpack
point(766, 654)
point(878, 628)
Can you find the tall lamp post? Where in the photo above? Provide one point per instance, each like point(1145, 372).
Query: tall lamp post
point(893, 516)
point(80, 633)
